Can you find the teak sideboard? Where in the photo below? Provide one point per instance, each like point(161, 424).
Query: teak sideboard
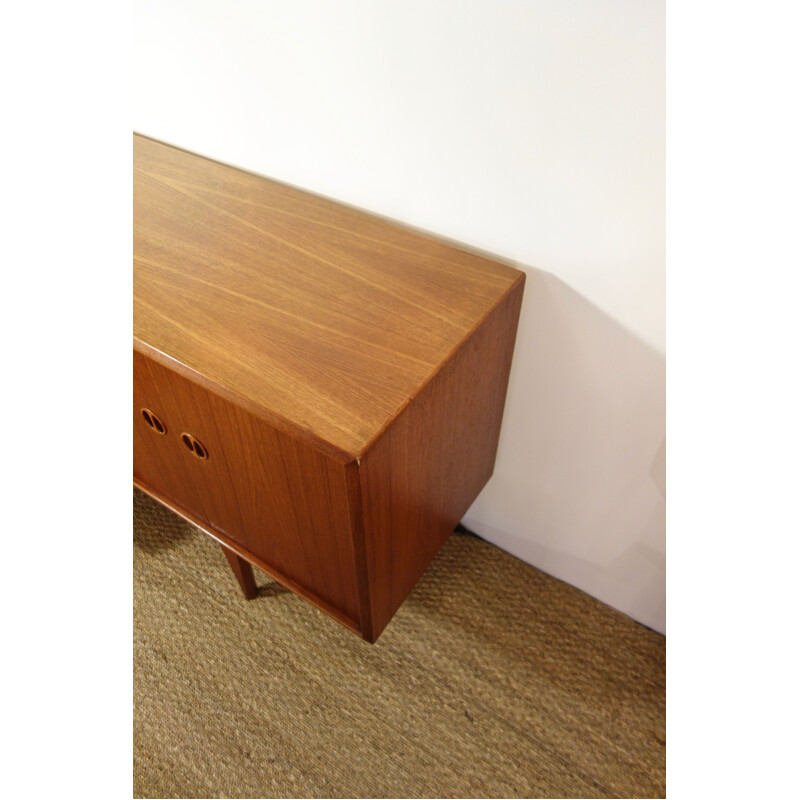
point(318, 389)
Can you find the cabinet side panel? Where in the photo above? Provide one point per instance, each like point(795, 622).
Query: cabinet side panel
point(425, 471)
point(279, 499)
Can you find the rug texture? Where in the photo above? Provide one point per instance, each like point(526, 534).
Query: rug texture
point(493, 680)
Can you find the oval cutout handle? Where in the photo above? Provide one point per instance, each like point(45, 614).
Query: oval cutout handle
point(194, 445)
point(154, 422)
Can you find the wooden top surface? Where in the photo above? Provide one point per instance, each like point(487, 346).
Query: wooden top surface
point(323, 318)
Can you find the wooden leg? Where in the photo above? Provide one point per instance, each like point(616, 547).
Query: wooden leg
point(243, 572)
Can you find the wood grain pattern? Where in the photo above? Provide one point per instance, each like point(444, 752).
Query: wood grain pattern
point(329, 386)
point(325, 317)
point(280, 500)
point(422, 475)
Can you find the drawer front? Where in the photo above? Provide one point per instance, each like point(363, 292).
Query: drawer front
point(281, 500)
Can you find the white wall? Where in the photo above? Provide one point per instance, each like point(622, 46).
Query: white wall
point(532, 130)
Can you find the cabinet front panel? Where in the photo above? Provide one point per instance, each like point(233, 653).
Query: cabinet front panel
point(282, 501)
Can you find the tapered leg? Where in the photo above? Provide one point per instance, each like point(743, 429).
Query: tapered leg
point(243, 572)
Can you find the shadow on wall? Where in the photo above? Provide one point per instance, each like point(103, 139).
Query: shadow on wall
point(579, 484)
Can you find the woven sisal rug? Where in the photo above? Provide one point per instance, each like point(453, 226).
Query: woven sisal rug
point(493, 680)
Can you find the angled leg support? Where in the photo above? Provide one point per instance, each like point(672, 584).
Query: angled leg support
point(243, 572)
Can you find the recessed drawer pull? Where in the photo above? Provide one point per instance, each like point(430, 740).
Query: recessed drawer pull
point(194, 445)
point(153, 421)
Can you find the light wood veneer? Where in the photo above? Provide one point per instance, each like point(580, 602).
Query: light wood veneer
point(331, 385)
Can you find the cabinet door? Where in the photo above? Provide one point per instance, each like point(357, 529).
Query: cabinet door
point(157, 460)
point(281, 500)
